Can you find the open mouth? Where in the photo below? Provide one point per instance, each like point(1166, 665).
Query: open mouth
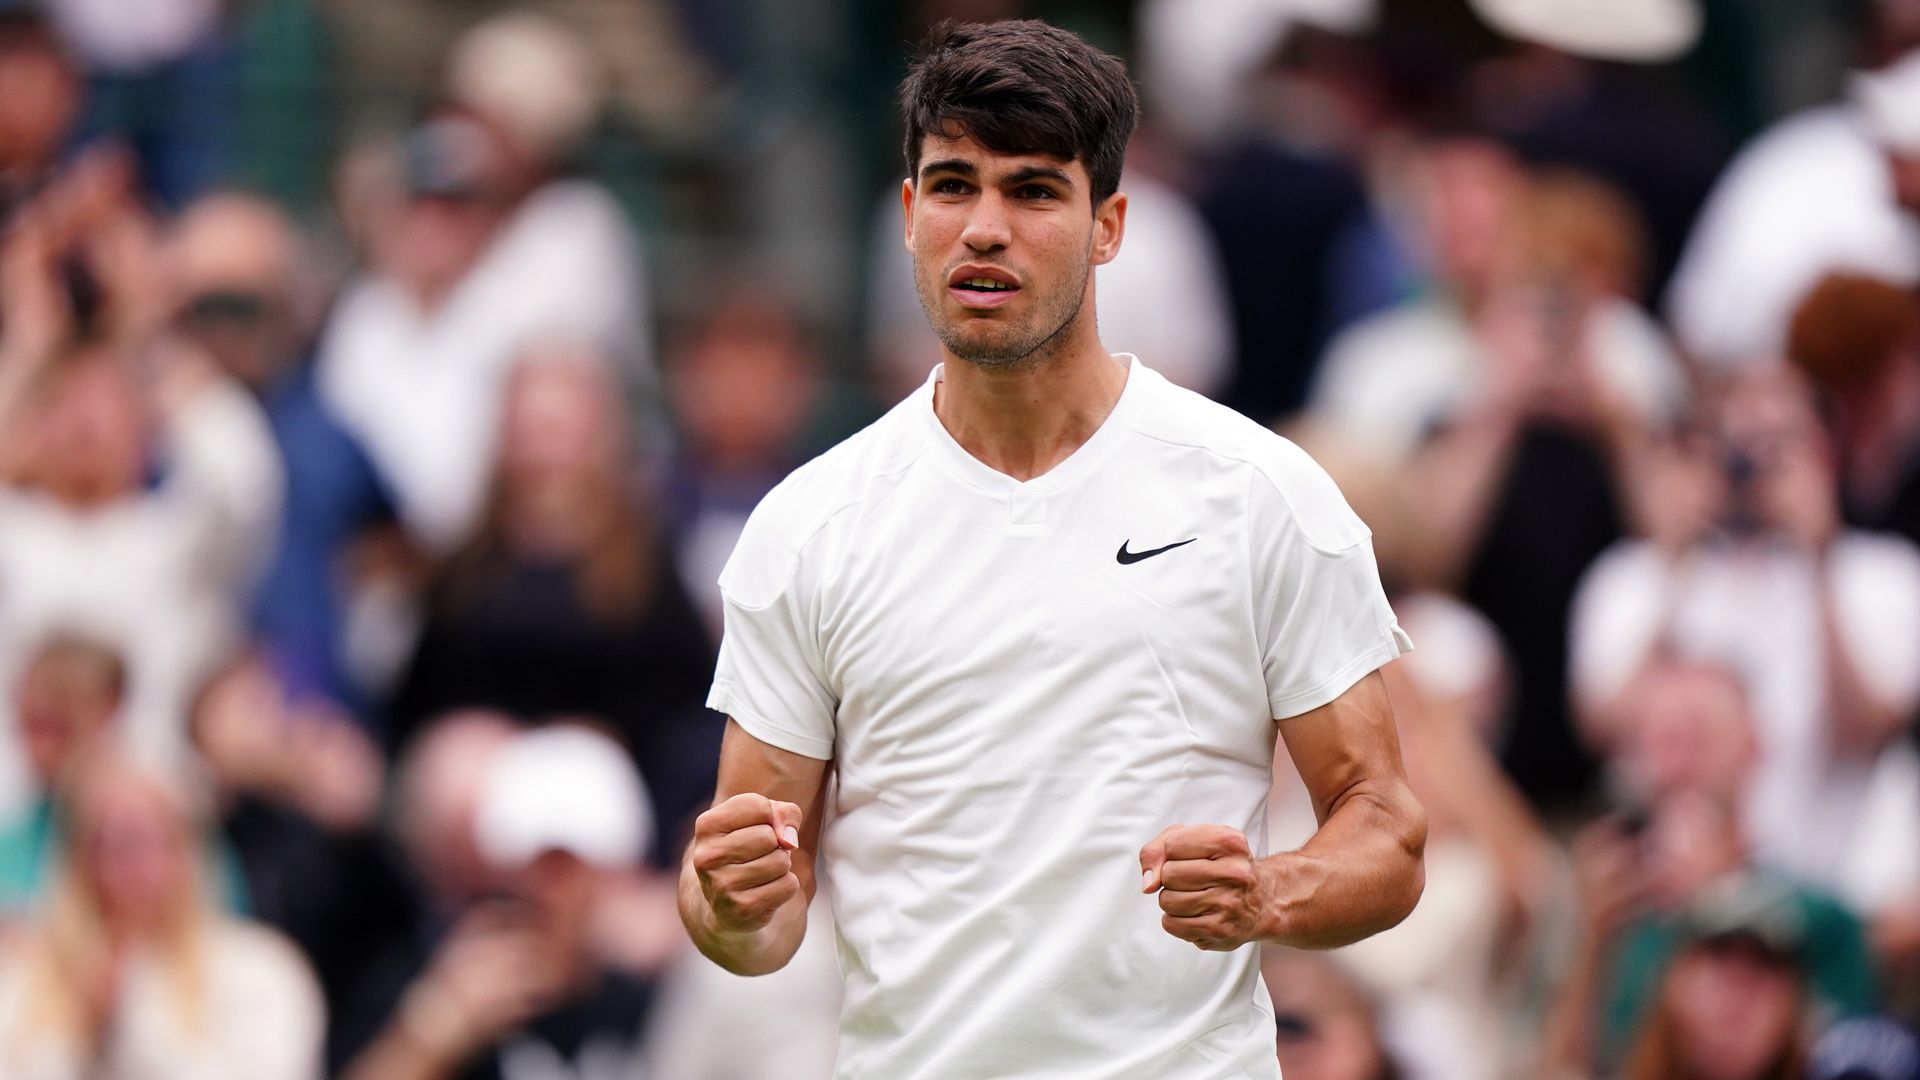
point(987, 285)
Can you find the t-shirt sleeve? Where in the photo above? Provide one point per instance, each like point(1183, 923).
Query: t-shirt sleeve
point(1319, 608)
point(770, 678)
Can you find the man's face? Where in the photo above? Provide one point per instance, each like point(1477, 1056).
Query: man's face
point(1004, 247)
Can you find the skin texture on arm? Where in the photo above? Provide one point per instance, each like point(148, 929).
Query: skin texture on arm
point(749, 873)
point(1359, 874)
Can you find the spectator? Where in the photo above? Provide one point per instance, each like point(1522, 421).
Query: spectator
point(1753, 570)
point(1858, 339)
point(141, 485)
point(516, 985)
point(67, 704)
point(744, 382)
point(495, 250)
point(1832, 188)
point(39, 100)
point(1731, 1006)
point(1510, 406)
point(432, 805)
point(1648, 895)
point(1327, 1028)
point(566, 600)
point(237, 273)
point(296, 787)
point(130, 972)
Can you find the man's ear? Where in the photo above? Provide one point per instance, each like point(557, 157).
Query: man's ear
point(1109, 225)
point(906, 210)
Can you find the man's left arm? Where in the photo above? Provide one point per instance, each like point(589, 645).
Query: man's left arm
point(1359, 874)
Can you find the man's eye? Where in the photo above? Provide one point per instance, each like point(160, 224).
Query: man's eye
point(1035, 191)
point(950, 187)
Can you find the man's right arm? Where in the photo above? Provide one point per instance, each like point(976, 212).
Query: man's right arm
point(748, 875)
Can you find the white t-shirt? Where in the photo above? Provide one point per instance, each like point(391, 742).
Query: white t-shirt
point(1020, 684)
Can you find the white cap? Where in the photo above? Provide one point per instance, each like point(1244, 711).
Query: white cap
point(1889, 100)
point(1642, 31)
point(562, 788)
point(530, 76)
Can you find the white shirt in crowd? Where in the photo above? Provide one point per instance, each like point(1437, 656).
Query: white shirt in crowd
point(422, 389)
point(1020, 684)
point(1164, 295)
point(262, 1018)
point(160, 577)
point(1756, 609)
point(1809, 197)
point(1389, 380)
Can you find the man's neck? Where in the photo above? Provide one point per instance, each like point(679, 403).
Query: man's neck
point(1028, 419)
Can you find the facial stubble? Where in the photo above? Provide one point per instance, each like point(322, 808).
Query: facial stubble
point(1048, 328)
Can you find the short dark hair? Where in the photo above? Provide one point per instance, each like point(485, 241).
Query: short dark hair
point(1021, 87)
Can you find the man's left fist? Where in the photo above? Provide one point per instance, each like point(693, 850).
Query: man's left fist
point(1210, 890)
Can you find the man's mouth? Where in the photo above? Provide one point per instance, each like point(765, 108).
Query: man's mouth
point(981, 284)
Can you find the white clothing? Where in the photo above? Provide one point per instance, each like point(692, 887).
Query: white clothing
point(1755, 608)
point(1020, 684)
point(1389, 380)
point(263, 1019)
point(423, 389)
point(1809, 197)
point(116, 37)
point(1163, 296)
point(160, 576)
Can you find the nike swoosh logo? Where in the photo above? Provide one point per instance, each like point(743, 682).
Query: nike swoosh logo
point(1127, 558)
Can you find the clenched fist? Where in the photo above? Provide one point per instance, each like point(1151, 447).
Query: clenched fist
point(742, 853)
point(1210, 890)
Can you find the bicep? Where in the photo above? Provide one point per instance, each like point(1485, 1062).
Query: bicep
point(1348, 745)
point(749, 764)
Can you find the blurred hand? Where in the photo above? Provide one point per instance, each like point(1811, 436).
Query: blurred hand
point(1210, 890)
point(38, 316)
point(743, 855)
point(1612, 884)
point(1675, 494)
point(1798, 494)
point(496, 970)
point(331, 769)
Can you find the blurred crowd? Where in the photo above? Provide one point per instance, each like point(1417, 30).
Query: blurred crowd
point(382, 385)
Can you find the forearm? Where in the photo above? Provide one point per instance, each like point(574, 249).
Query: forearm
point(1361, 873)
point(1860, 720)
point(756, 952)
point(1455, 482)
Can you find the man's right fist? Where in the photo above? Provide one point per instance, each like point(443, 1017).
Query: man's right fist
point(742, 852)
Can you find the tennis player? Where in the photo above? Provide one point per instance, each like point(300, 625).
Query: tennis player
point(1043, 622)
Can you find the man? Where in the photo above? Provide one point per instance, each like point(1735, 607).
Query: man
point(1038, 614)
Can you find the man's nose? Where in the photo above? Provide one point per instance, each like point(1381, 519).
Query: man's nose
point(987, 227)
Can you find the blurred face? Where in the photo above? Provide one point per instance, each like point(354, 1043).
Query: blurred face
point(39, 98)
point(1004, 247)
point(744, 392)
point(1472, 190)
point(562, 420)
point(60, 717)
point(135, 853)
point(231, 265)
point(1735, 1010)
point(91, 447)
point(1324, 1031)
point(1694, 733)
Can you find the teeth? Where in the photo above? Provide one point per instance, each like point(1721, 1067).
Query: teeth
point(986, 283)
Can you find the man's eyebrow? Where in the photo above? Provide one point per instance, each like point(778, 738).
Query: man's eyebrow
point(950, 165)
point(1039, 172)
